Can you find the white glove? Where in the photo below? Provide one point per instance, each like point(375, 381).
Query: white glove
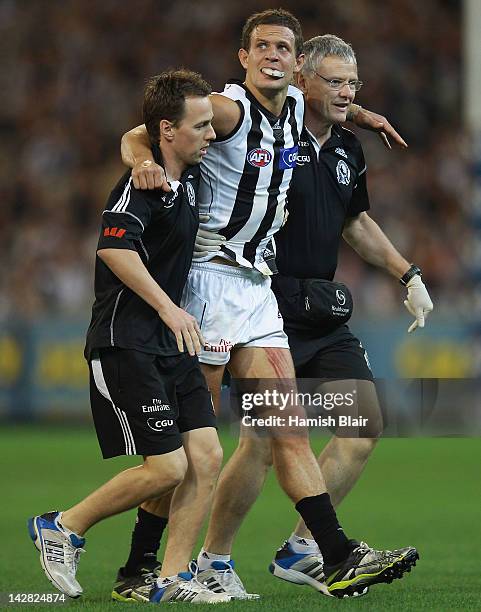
point(206, 241)
point(418, 302)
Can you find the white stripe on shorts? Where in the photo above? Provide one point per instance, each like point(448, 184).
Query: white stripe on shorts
point(124, 424)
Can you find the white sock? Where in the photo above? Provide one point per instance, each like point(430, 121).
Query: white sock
point(303, 546)
point(205, 558)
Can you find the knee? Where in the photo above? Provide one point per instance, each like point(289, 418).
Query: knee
point(211, 461)
point(376, 426)
point(206, 460)
point(216, 455)
point(256, 451)
point(296, 444)
point(165, 475)
point(175, 472)
point(358, 449)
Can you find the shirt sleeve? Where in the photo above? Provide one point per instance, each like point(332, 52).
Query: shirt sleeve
point(127, 215)
point(360, 197)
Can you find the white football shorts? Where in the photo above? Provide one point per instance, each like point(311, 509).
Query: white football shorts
point(235, 307)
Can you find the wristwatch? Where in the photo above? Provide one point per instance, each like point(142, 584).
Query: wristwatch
point(413, 270)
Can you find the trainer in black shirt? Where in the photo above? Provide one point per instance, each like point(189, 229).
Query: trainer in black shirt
point(328, 200)
point(328, 186)
point(148, 397)
point(160, 228)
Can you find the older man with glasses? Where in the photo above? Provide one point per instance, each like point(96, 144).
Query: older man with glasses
point(328, 199)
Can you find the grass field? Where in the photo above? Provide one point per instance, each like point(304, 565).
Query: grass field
point(424, 492)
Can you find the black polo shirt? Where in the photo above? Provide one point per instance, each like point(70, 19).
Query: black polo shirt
point(161, 228)
point(328, 185)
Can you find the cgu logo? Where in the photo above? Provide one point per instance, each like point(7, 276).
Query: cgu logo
point(159, 424)
point(259, 157)
point(288, 158)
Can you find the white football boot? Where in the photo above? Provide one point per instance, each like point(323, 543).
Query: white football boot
point(222, 578)
point(183, 587)
point(60, 550)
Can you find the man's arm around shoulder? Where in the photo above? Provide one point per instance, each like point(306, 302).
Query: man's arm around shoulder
point(227, 114)
point(137, 154)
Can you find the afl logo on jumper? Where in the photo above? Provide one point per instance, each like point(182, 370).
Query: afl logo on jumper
point(259, 157)
point(190, 193)
point(343, 173)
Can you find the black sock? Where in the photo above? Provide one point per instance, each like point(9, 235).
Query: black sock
point(145, 539)
point(321, 520)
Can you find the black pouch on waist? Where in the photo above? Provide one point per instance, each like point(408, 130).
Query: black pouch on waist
point(313, 303)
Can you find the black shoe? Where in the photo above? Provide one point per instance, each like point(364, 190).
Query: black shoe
point(306, 569)
point(146, 573)
point(366, 566)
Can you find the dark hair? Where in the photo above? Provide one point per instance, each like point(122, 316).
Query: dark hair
point(278, 17)
point(164, 98)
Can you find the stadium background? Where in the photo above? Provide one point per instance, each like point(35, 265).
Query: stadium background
point(72, 77)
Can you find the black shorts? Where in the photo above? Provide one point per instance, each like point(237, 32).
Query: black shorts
point(142, 403)
point(338, 356)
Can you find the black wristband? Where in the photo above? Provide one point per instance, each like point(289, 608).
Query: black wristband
point(413, 270)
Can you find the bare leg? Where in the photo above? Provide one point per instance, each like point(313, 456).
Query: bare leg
point(159, 506)
point(343, 459)
point(239, 486)
point(191, 500)
point(158, 474)
point(213, 375)
point(243, 477)
point(296, 467)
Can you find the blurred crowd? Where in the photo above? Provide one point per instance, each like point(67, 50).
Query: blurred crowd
point(72, 80)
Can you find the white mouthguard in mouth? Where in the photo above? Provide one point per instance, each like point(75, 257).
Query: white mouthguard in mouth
point(277, 74)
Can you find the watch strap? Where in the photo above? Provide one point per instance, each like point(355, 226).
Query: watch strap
point(413, 270)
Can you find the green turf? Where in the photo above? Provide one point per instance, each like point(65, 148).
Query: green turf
point(424, 492)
